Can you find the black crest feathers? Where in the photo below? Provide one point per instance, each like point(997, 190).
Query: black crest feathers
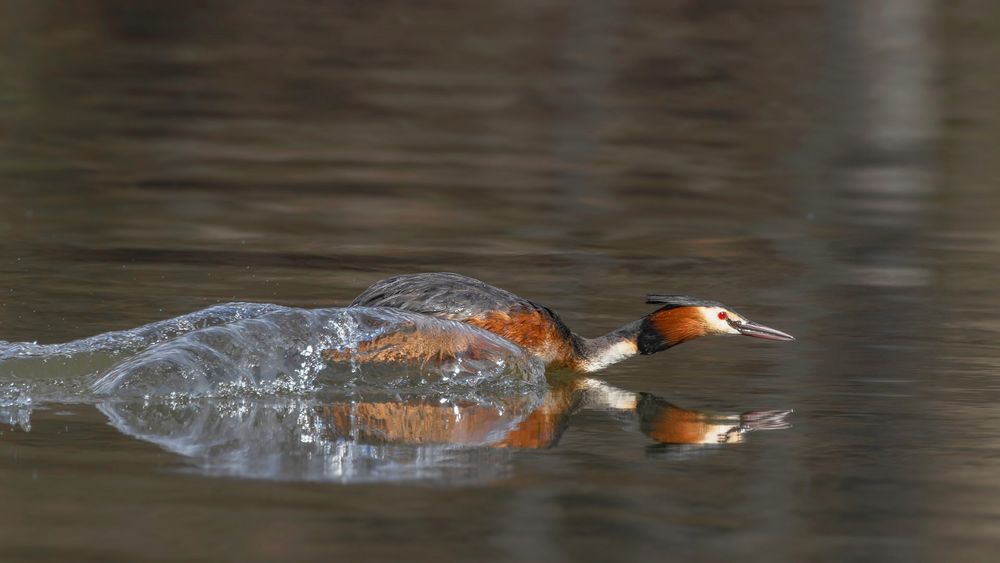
point(672, 301)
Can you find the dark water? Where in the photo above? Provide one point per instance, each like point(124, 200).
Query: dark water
point(826, 169)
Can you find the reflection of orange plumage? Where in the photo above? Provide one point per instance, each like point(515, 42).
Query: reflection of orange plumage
point(669, 424)
point(414, 423)
point(542, 428)
point(464, 423)
point(430, 422)
point(681, 426)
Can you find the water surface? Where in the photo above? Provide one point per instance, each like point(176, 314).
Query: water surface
point(825, 169)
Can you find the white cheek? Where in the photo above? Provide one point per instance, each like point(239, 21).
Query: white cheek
point(717, 325)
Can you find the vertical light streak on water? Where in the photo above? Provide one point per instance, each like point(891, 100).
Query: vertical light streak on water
point(867, 186)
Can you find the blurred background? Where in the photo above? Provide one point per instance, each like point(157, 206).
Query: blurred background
point(827, 168)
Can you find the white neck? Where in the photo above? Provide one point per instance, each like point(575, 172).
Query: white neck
point(600, 357)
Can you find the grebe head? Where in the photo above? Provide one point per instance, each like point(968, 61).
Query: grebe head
point(685, 318)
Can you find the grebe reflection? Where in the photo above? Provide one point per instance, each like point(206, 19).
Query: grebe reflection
point(458, 438)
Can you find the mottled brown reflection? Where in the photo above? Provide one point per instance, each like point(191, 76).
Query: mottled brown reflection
point(453, 439)
point(470, 423)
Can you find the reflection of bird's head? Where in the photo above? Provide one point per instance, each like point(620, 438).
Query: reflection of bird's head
point(683, 318)
point(669, 424)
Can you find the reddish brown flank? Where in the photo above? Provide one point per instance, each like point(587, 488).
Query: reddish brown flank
point(409, 345)
point(531, 330)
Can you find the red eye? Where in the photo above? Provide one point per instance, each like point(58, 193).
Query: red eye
point(722, 315)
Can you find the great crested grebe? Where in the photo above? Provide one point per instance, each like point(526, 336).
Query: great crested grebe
point(535, 327)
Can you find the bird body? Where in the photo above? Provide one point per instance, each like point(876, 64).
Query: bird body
point(459, 298)
point(538, 329)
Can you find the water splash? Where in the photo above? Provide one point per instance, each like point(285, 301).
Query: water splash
point(245, 390)
point(15, 407)
point(281, 353)
point(260, 351)
point(63, 372)
point(125, 341)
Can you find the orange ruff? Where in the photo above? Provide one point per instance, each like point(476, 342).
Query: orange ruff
point(679, 324)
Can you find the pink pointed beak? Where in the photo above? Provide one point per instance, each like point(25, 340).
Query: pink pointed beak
point(750, 328)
